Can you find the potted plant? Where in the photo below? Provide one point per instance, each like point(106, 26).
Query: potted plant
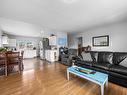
point(3, 49)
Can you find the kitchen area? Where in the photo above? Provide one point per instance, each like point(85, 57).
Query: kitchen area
point(49, 47)
point(21, 43)
point(45, 48)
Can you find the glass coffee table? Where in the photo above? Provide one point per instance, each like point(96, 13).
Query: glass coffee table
point(94, 76)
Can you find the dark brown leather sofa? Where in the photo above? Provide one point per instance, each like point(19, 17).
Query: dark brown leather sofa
point(109, 63)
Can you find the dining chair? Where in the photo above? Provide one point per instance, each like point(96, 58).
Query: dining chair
point(3, 62)
point(13, 58)
point(21, 59)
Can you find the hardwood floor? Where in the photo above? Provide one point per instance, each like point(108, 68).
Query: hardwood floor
point(42, 78)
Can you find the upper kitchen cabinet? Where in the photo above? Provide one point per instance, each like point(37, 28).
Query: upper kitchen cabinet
point(5, 40)
point(52, 40)
point(12, 42)
point(8, 42)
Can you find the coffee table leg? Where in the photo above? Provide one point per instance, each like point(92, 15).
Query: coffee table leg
point(102, 89)
point(107, 87)
point(67, 75)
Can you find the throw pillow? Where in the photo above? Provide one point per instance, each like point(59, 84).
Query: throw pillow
point(124, 63)
point(119, 57)
point(86, 56)
point(80, 57)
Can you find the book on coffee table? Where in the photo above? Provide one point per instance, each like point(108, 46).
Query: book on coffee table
point(85, 71)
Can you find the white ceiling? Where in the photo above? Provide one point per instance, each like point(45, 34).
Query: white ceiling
point(61, 15)
point(19, 28)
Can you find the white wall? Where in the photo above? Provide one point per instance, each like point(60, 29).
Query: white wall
point(72, 40)
point(34, 40)
point(117, 37)
point(1, 37)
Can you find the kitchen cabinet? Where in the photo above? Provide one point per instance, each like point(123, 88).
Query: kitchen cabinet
point(53, 40)
point(12, 42)
point(5, 40)
point(51, 55)
point(30, 53)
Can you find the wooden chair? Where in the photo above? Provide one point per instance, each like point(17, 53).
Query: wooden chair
point(13, 58)
point(21, 59)
point(3, 62)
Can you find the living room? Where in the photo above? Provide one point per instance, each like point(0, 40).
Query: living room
point(63, 47)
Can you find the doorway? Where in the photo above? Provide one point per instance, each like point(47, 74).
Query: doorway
point(80, 45)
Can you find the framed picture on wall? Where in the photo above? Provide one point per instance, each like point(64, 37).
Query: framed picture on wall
point(100, 40)
point(62, 41)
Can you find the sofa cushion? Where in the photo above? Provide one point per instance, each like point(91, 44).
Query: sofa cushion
point(64, 56)
point(94, 55)
point(105, 57)
point(88, 63)
point(78, 58)
point(86, 56)
point(119, 69)
point(119, 57)
point(102, 65)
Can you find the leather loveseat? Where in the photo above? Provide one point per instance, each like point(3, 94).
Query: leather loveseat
point(110, 63)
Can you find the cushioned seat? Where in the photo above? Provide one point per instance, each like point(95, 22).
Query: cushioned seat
point(119, 69)
point(66, 58)
point(102, 65)
point(84, 62)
